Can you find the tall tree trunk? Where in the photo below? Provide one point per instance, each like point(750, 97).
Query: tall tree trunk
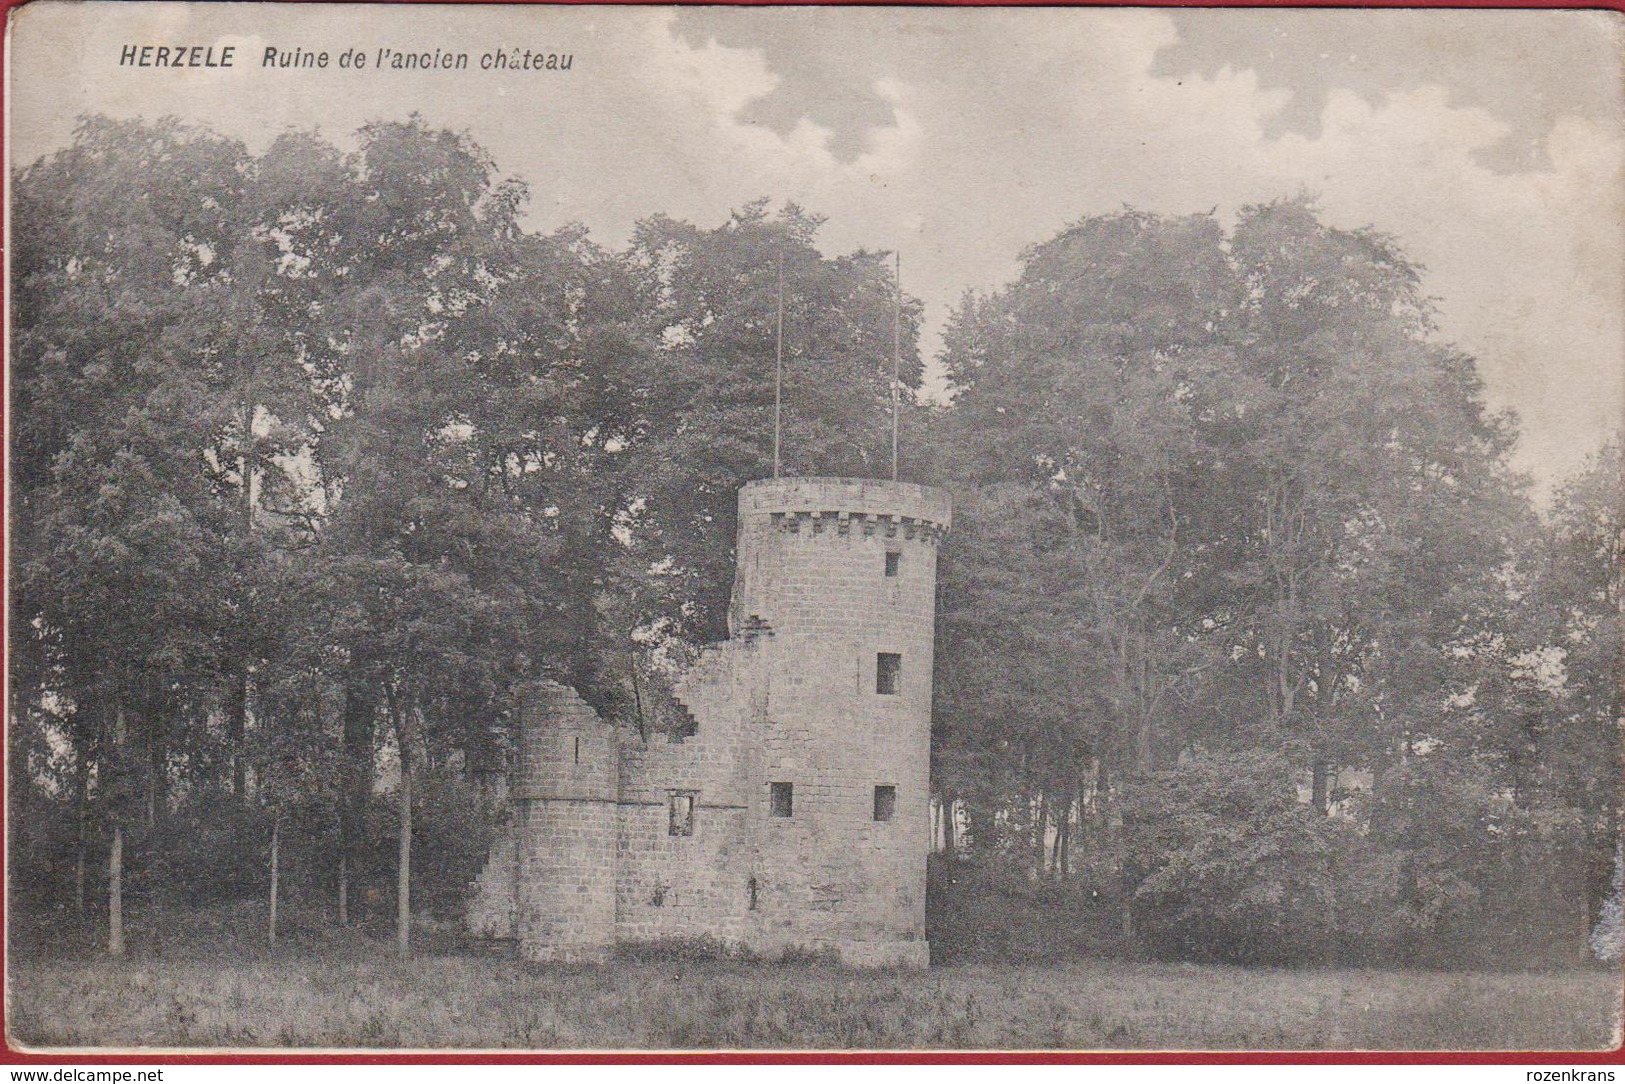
point(79, 878)
point(1145, 750)
point(1077, 835)
point(82, 842)
point(1103, 797)
point(1288, 695)
point(156, 789)
point(237, 729)
point(276, 840)
point(402, 713)
point(355, 786)
point(115, 895)
point(403, 901)
point(1063, 841)
point(245, 461)
point(1055, 850)
point(1041, 829)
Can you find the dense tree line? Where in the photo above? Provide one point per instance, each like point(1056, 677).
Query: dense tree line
point(319, 456)
point(1333, 689)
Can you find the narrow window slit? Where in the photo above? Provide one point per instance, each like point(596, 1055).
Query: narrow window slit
point(888, 672)
point(885, 802)
point(783, 799)
point(680, 813)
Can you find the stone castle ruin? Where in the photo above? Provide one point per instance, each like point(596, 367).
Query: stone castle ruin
point(796, 815)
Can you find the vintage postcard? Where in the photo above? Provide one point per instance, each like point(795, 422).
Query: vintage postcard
point(880, 529)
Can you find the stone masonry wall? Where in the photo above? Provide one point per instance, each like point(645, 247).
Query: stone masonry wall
point(564, 825)
point(790, 698)
point(493, 906)
point(813, 566)
point(694, 886)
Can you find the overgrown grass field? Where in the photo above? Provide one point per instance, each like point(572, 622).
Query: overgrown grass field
point(356, 996)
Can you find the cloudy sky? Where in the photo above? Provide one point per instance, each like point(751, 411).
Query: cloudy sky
point(1491, 143)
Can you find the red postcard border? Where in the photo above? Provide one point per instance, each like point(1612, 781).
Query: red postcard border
point(21, 1056)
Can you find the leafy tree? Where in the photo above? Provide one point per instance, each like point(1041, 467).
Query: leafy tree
point(118, 367)
point(1073, 424)
point(1373, 497)
point(463, 521)
point(1235, 510)
point(703, 420)
point(1572, 732)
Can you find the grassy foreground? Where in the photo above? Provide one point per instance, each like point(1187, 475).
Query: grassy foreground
point(468, 1002)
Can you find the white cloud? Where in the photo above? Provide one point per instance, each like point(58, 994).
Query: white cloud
point(1005, 125)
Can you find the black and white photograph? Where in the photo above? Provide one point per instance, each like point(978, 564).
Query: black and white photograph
point(898, 529)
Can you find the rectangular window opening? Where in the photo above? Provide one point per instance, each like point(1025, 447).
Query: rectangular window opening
point(894, 561)
point(888, 672)
point(680, 813)
point(578, 750)
point(885, 802)
point(783, 799)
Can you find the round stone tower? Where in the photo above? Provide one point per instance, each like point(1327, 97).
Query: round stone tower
point(836, 578)
point(565, 810)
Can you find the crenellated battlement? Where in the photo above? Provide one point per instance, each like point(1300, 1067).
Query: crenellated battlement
point(841, 503)
point(866, 523)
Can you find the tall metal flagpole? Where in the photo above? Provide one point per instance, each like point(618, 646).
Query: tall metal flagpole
point(778, 369)
point(896, 351)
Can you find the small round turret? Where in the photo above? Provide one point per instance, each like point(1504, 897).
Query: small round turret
point(565, 802)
